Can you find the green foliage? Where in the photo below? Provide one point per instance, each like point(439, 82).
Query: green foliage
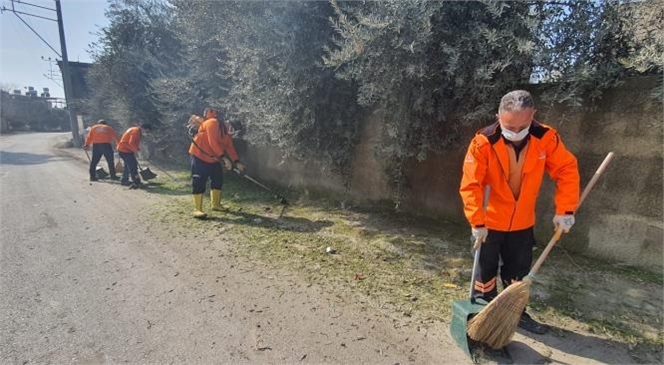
point(280, 90)
point(647, 25)
point(577, 66)
point(135, 47)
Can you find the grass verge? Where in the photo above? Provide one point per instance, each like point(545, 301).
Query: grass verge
point(408, 266)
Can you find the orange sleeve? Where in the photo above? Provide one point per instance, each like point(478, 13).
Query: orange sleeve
point(564, 170)
point(88, 140)
point(230, 148)
point(472, 181)
point(135, 141)
point(214, 138)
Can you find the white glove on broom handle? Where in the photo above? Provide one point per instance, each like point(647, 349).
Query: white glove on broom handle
point(559, 231)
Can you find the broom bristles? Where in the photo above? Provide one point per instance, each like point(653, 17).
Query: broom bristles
point(496, 323)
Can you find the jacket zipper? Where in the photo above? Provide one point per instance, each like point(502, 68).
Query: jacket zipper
point(502, 168)
point(516, 201)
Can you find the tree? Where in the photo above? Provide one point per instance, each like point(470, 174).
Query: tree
point(646, 22)
point(133, 50)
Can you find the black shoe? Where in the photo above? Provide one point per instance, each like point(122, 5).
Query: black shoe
point(114, 177)
point(93, 178)
point(481, 351)
point(125, 183)
point(530, 325)
point(134, 186)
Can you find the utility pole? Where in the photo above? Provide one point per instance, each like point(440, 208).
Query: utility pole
point(66, 78)
point(66, 75)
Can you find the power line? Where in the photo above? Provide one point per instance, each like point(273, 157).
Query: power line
point(28, 14)
point(37, 34)
point(36, 6)
point(17, 12)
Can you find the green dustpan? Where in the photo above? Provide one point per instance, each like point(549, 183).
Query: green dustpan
point(462, 310)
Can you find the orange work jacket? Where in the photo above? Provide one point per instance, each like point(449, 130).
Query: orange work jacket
point(212, 142)
point(100, 133)
point(130, 140)
point(487, 164)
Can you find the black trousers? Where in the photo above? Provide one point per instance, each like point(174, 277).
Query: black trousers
point(130, 168)
point(201, 171)
point(98, 150)
point(516, 250)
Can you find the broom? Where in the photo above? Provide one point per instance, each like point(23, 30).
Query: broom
point(496, 323)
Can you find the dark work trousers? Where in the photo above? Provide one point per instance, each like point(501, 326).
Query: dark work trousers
point(201, 171)
point(130, 168)
point(516, 250)
point(98, 150)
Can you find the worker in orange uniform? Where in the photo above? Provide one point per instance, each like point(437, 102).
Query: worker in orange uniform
point(211, 146)
point(510, 156)
point(127, 148)
point(101, 136)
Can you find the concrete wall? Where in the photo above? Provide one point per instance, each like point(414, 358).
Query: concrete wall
point(267, 163)
point(622, 218)
point(620, 221)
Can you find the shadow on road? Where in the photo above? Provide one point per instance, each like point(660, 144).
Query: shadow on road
point(170, 188)
point(573, 343)
point(293, 224)
point(24, 158)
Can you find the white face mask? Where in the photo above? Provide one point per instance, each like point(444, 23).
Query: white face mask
point(513, 136)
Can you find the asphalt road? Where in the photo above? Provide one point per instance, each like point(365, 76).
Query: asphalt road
point(86, 277)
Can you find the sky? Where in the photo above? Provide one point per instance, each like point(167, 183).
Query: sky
point(21, 51)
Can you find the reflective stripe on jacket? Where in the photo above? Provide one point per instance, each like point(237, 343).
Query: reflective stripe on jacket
point(100, 133)
point(487, 163)
point(130, 140)
point(213, 142)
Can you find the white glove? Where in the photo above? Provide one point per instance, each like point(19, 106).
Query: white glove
point(226, 162)
point(479, 233)
point(565, 222)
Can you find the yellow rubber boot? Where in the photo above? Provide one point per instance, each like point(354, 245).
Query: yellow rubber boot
point(215, 198)
point(198, 206)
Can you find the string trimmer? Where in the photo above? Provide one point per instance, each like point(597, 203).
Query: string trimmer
point(282, 199)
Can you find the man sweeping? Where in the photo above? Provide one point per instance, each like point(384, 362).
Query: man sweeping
point(127, 148)
point(211, 146)
point(510, 156)
point(100, 137)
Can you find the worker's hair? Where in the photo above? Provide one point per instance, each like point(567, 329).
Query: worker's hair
point(515, 101)
point(101, 121)
point(207, 110)
point(146, 126)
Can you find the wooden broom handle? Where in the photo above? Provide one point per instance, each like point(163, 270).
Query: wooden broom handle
point(559, 231)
